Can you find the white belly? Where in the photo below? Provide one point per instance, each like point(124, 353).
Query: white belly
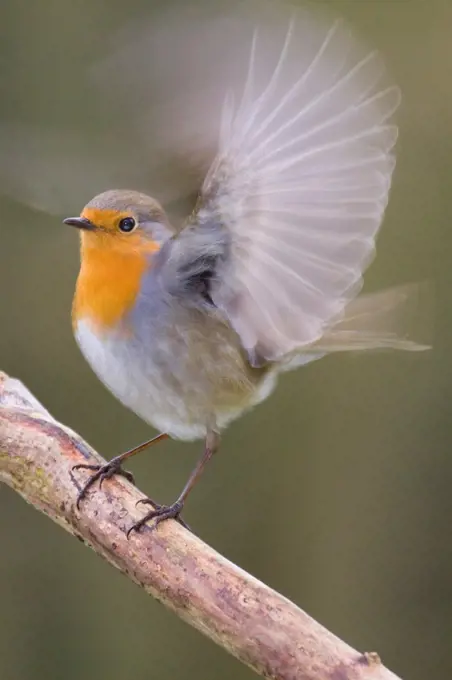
point(160, 388)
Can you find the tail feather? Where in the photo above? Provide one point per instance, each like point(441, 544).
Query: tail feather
point(382, 320)
point(388, 319)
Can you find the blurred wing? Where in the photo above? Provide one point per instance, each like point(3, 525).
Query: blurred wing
point(300, 181)
point(51, 170)
point(57, 170)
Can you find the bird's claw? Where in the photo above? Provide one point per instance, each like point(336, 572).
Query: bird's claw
point(101, 473)
point(160, 513)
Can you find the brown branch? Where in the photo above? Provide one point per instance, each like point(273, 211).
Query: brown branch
point(254, 623)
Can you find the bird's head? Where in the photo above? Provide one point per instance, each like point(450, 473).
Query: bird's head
point(124, 221)
point(121, 232)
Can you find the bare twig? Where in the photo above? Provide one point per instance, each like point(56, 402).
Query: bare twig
point(257, 625)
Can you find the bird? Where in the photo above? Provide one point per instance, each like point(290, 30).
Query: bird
point(190, 325)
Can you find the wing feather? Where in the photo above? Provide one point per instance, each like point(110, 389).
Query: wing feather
point(301, 182)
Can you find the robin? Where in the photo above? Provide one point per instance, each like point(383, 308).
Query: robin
point(190, 327)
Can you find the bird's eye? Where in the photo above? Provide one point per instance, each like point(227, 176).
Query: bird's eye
point(127, 224)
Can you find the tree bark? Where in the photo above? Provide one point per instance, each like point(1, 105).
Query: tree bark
point(254, 623)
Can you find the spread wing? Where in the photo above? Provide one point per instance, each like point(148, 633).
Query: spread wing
point(300, 183)
point(299, 172)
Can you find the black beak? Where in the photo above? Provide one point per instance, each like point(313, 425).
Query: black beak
point(80, 223)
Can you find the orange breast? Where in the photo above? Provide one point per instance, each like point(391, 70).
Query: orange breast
point(109, 279)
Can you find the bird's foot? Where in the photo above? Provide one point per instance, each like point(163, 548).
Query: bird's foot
point(160, 513)
point(101, 473)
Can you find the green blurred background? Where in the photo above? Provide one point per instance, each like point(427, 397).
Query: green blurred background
point(336, 491)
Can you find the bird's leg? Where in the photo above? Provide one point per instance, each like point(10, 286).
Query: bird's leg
point(163, 512)
point(113, 467)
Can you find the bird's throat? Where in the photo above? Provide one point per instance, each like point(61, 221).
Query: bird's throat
point(107, 286)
